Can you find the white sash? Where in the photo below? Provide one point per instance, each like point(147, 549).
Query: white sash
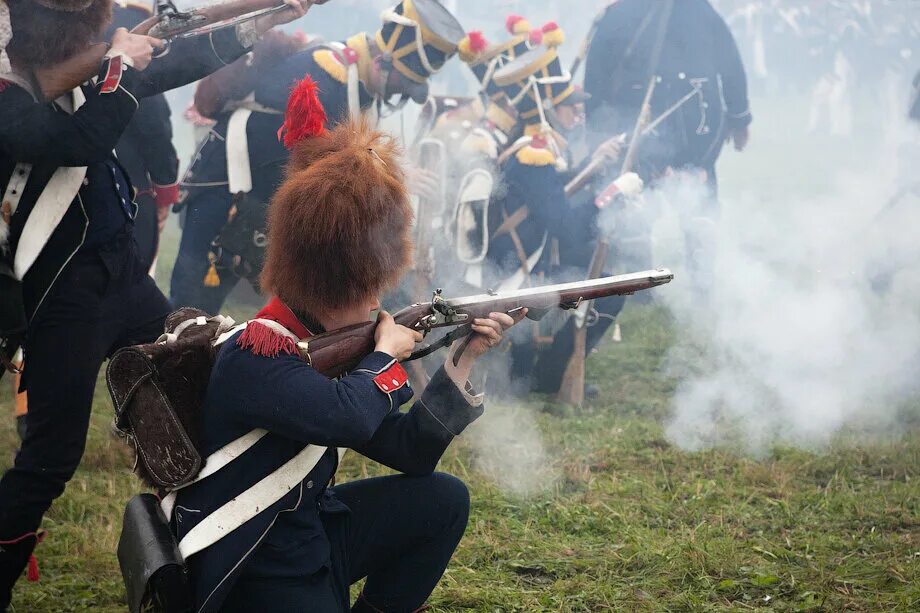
point(51, 205)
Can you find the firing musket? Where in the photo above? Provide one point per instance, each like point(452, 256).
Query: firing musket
point(338, 351)
point(572, 388)
point(168, 24)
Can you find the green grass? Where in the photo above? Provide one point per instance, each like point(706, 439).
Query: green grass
point(624, 521)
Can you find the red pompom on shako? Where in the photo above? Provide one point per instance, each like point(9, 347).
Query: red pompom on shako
point(305, 116)
point(478, 42)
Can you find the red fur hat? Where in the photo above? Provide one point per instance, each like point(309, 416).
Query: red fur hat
point(339, 225)
point(46, 32)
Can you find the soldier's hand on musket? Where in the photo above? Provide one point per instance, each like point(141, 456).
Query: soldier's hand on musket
point(296, 9)
point(740, 136)
point(423, 183)
point(138, 48)
point(487, 333)
point(394, 339)
point(611, 148)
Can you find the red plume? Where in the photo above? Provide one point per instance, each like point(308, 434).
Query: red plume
point(510, 21)
point(478, 42)
point(549, 26)
point(305, 116)
point(536, 37)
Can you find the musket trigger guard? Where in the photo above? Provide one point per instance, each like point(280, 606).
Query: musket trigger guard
point(167, 45)
point(570, 306)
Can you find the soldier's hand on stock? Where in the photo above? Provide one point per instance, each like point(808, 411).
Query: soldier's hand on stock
point(296, 10)
point(423, 183)
point(611, 148)
point(394, 339)
point(487, 334)
point(138, 48)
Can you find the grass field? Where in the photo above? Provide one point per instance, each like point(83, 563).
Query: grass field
point(625, 521)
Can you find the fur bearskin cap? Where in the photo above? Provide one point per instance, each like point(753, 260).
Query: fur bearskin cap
point(46, 32)
point(339, 225)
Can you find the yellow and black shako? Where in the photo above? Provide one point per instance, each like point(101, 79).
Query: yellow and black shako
point(417, 39)
point(536, 83)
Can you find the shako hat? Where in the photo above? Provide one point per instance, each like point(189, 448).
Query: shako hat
point(537, 79)
point(418, 37)
point(339, 225)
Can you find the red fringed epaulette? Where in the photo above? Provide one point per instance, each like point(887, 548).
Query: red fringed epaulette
point(262, 340)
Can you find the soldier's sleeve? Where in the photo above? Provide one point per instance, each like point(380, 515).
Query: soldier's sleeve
point(283, 394)
point(152, 127)
point(36, 133)
point(731, 70)
point(191, 59)
point(414, 442)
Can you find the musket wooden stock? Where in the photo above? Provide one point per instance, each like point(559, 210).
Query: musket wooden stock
point(339, 351)
point(55, 81)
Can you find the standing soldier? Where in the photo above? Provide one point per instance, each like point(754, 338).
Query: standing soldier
point(685, 51)
point(699, 68)
point(240, 164)
point(147, 154)
point(73, 287)
point(531, 212)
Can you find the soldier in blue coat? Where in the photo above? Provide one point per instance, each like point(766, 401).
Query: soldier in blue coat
point(240, 164)
point(310, 542)
point(699, 68)
point(74, 289)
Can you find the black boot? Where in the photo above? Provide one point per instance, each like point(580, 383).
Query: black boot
point(21, 426)
point(15, 555)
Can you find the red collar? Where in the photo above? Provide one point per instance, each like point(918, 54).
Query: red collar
point(276, 310)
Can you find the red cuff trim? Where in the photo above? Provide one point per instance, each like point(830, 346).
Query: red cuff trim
point(262, 340)
point(392, 378)
point(166, 195)
point(112, 75)
point(606, 197)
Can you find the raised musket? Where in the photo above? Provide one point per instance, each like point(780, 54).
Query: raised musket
point(432, 157)
point(336, 352)
point(572, 388)
point(168, 24)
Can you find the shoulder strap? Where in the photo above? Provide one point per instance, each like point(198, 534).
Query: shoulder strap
point(257, 498)
point(251, 502)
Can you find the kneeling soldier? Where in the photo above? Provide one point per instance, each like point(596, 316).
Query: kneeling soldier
point(340, 235)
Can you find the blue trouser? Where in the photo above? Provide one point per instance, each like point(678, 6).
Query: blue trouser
point(102, 301)
point(206, 214)
point(400, 534)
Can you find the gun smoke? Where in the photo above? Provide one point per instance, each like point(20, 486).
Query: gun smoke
point(812, 326)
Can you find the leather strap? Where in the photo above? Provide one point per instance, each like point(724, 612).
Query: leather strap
point(511, 222)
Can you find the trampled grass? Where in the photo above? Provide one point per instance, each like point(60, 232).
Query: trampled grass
point(623, 521)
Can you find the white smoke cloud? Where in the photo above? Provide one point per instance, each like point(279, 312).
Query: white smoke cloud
point(813, 324)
